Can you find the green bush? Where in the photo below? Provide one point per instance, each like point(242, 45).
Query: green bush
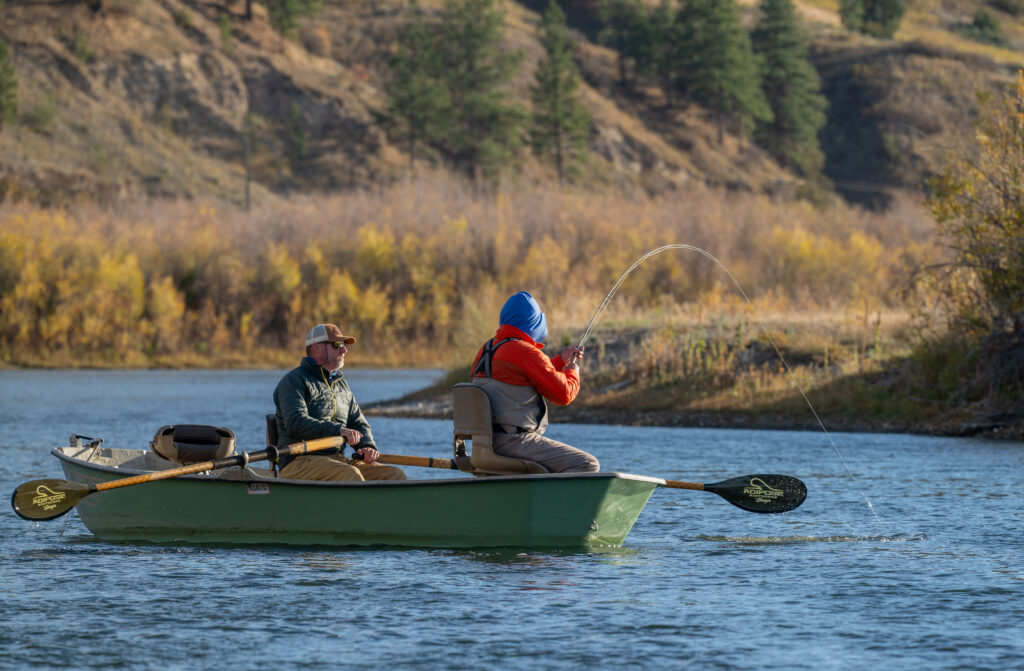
point(878, 18)
point(226, 36)
point(182, 18)
point(80, 48)
point(41, 116)
point(985, 28)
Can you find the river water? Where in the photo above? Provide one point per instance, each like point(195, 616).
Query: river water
point(934, 581)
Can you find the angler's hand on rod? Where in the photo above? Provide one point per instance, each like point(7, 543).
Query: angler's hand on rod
point(572, 354)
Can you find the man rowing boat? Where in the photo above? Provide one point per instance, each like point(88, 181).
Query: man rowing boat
point(314, 401)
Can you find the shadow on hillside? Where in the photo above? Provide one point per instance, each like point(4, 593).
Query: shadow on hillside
point(855, 155)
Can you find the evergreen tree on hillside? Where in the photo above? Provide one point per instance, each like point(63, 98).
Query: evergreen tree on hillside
point(878, 18)
point(657, 52)
point(484, 131)
point(623, 32)
point(418, 104)
point(792, 87)
point(719, 70)
point(559, 123)
point(8, 88)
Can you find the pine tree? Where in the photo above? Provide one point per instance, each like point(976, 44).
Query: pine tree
point(658, 34)
point(624, 32)
point(560, 123)
point(484, 132)
point(719, 70)
point(792, 87)
point(8, 88)
point(878, 18)
point(418, 103)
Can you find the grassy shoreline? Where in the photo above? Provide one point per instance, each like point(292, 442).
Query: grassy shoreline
point(862, 402)
point(707, 377)
point(859, 373)
point(974, 420)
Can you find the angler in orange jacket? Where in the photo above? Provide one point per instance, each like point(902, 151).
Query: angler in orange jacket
point(519, 380)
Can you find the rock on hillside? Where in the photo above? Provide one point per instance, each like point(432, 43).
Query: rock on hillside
point(155, 97)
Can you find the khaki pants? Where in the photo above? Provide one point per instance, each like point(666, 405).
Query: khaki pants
point(555, 456)
point(337, 468)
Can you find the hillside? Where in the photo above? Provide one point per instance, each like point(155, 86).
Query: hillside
point(151, 98)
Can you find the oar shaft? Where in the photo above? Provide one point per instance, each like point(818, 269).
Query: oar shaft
point(426, 462)
point(678, 484)
point(295, 449)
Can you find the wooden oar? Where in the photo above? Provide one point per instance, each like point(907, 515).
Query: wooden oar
point(762, 493)
point(49, 499)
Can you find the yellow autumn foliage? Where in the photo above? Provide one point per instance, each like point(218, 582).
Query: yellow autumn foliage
point(416, 267)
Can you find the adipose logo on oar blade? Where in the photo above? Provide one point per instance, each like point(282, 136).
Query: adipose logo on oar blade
point(761, 491)
point(46, 498)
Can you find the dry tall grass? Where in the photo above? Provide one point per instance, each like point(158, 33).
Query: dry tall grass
point(420, 269)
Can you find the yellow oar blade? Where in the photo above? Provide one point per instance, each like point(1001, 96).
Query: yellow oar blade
point(47, 499)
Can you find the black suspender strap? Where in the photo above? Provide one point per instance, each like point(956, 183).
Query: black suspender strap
point(490, 347)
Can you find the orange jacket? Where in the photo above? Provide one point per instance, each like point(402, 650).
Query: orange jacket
point(520, 362)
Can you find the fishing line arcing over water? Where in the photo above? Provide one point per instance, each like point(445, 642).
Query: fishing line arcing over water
point(792, 376)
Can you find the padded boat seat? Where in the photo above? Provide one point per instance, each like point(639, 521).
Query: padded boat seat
point(192, 443)
point(471, 413)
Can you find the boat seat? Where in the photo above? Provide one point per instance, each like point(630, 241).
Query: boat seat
point(272, 429)
point(193, 443)
point(471, 413)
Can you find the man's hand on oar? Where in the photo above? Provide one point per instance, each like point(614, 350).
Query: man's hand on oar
point(49, 499)
point(764, 493)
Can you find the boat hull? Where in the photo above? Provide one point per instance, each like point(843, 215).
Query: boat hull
point(555, 510)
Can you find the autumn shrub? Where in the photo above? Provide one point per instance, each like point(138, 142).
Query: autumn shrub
point(418, 270)
point(978, 202)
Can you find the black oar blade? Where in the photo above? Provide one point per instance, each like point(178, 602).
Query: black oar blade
point(47, 499)
point(761, 493)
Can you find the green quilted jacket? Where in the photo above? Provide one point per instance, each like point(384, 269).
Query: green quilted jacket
point(311, 404)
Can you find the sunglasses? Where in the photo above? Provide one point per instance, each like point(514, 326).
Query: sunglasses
point(336, 345)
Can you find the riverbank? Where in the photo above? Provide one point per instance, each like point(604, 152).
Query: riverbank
point(984, 422)
point(715, 377)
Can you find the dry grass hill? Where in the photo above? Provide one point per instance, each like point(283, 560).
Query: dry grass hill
point(150, 98)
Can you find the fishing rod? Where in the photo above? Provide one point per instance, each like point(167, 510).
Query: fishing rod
point(622, 278)
point(764, 328)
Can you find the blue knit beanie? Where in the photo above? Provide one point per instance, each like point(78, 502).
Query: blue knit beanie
point(522, 311)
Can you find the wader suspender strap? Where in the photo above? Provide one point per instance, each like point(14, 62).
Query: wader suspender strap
point(490, 347)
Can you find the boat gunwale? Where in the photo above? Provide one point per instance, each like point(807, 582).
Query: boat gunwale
point(255, 477)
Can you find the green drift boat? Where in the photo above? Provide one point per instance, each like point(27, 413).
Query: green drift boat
point(193, 488)
point(250, 505)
